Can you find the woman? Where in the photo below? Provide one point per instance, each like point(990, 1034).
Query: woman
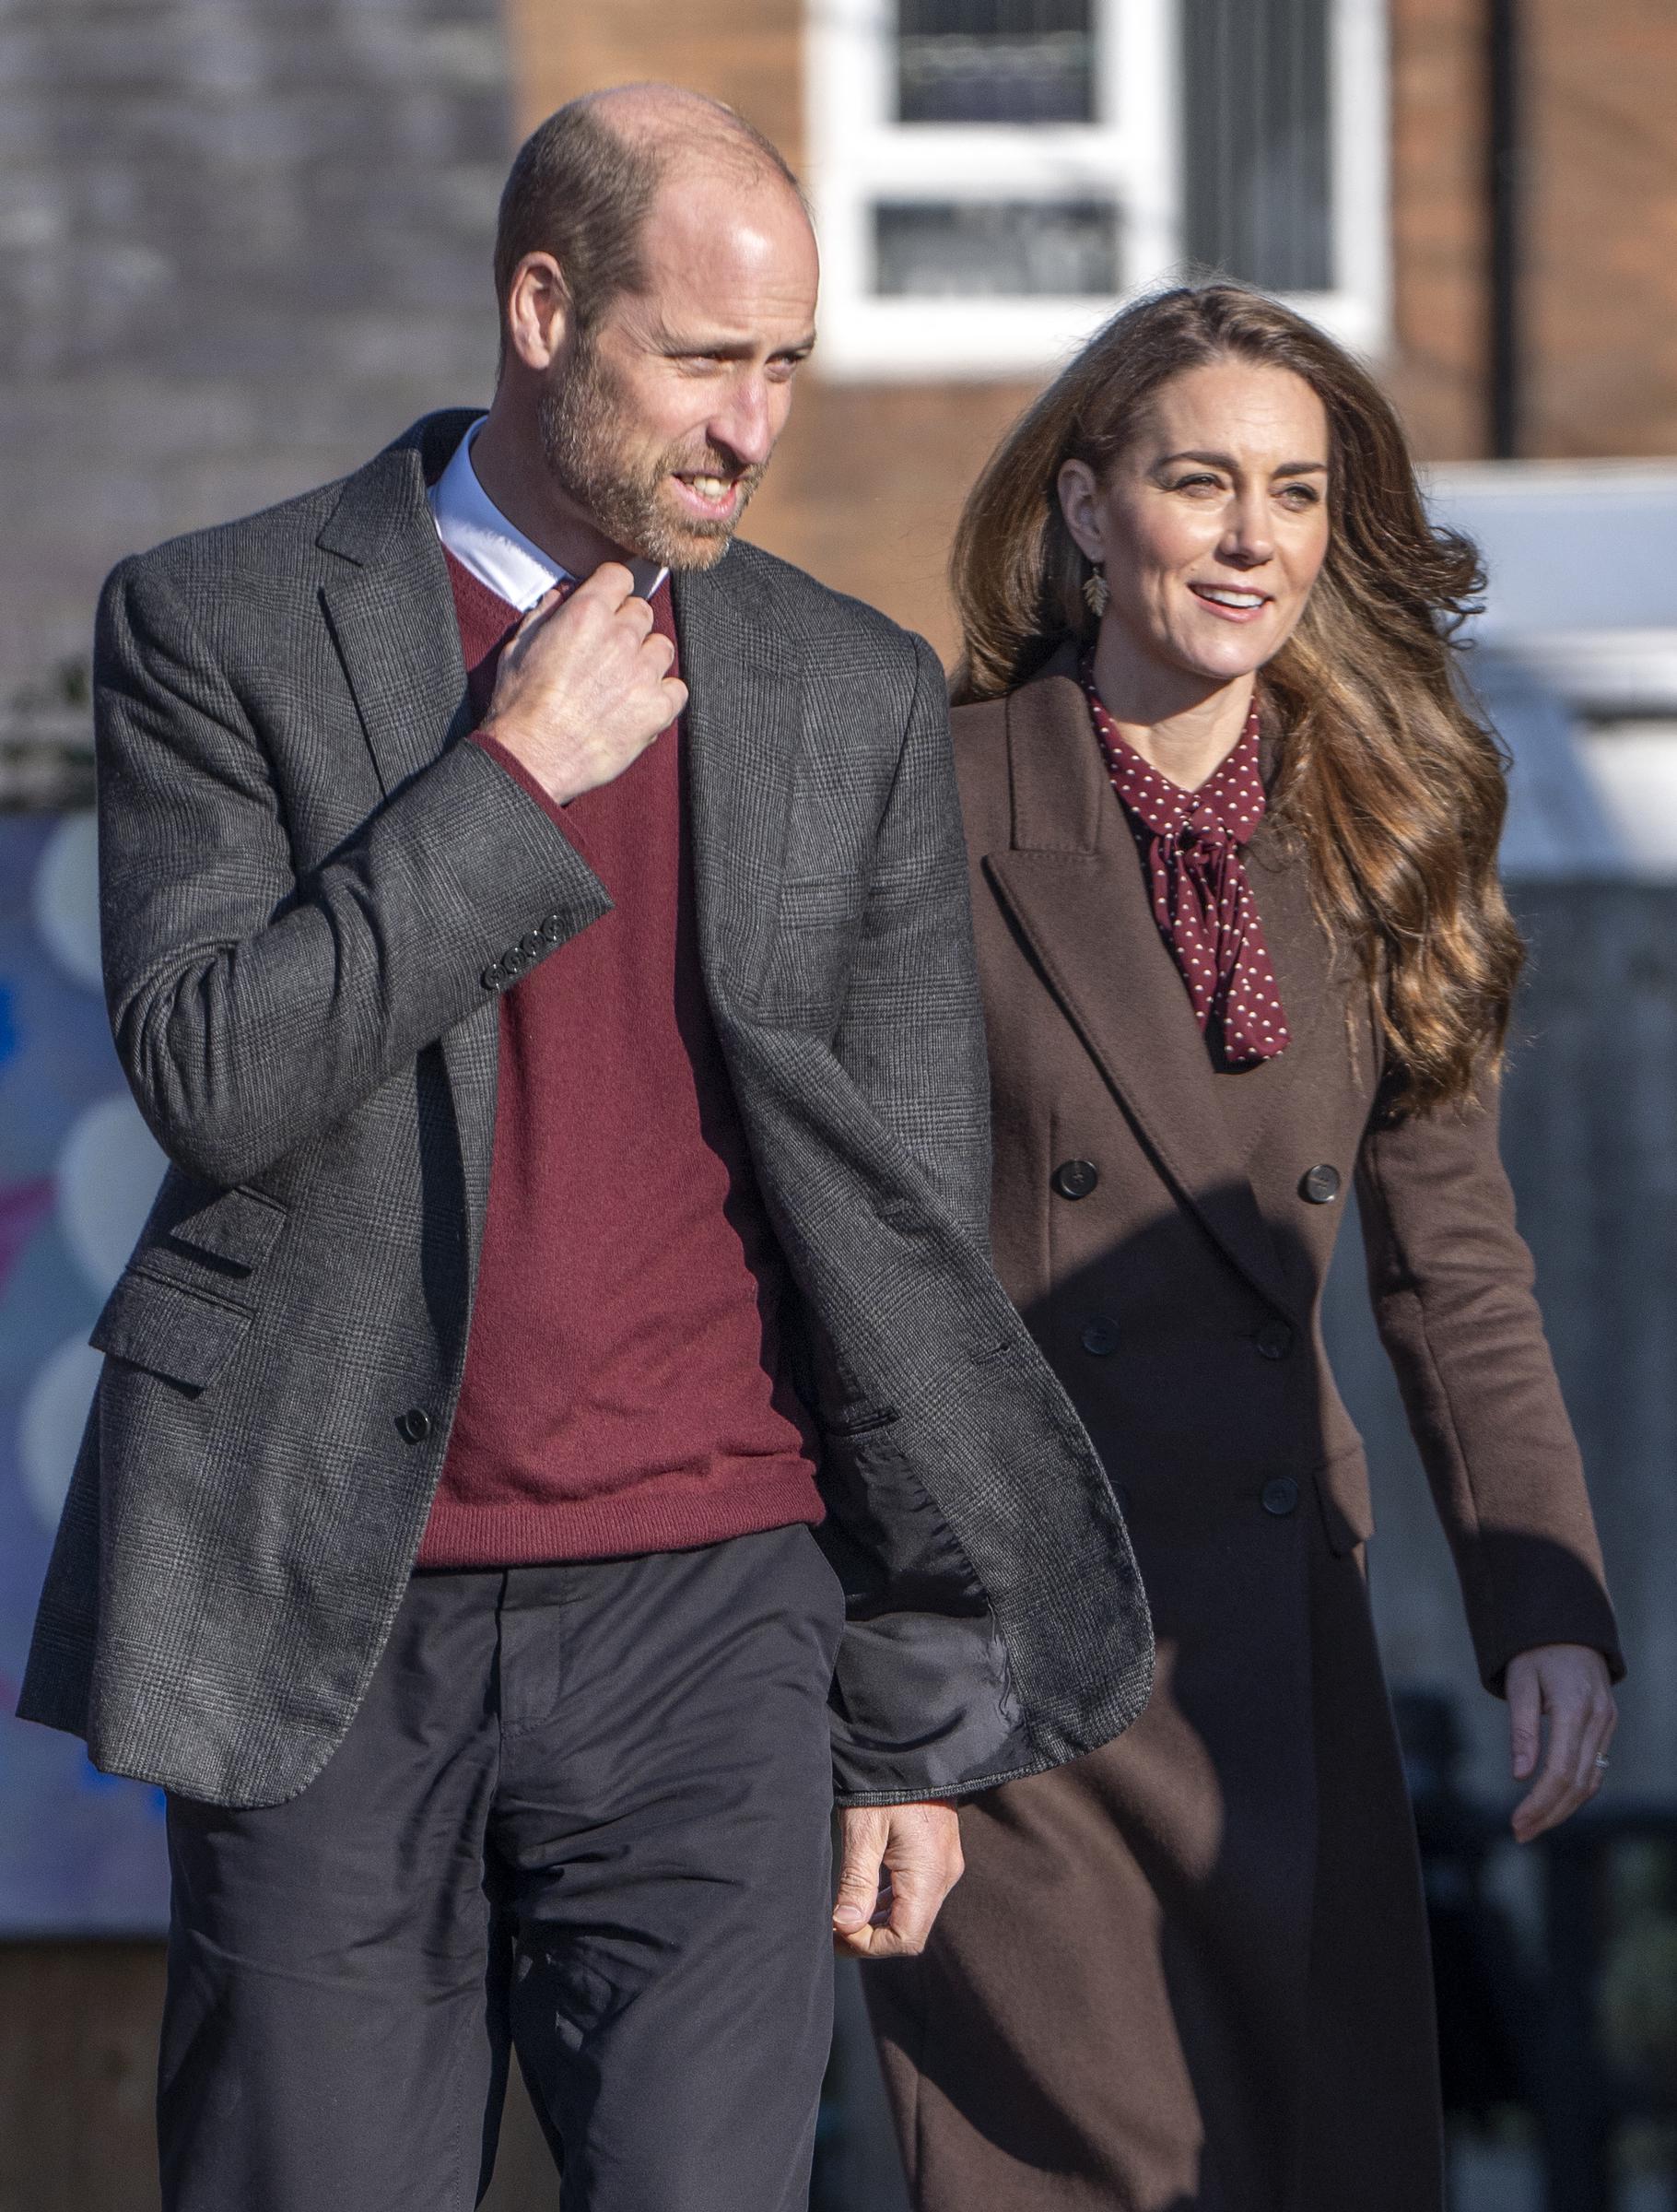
point(1234, 841)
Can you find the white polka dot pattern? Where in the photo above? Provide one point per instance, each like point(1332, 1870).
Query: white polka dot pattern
point(1191, 844)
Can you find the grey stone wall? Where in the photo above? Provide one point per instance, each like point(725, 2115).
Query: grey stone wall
point(242, 244)
point(1590, 1139)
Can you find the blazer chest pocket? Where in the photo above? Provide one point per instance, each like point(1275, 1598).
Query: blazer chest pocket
point(169, 1329)
point(817, 924)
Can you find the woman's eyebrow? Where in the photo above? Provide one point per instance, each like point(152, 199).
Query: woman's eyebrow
point(1230, 465)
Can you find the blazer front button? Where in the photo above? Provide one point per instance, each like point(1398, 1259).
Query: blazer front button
point(1275, 1340)
point(413, 1426)
point(1321, 1186)
point(1075, 1178)
point(1281, 1496)
point(1099, 1338)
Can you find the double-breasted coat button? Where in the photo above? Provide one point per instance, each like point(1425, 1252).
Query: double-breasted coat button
point(1075, 1178)
point(1281, 1496)
point(1275, 1340)
point(413, 1426)
point(1099, 1338)
point(1321, 1186)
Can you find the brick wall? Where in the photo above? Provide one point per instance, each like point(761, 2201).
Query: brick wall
point(1600, 191)
point(1439, 208)
point(239, 248)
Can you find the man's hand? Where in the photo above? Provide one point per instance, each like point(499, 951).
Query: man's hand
point(900, 1861)
point(1569, 1684)
point(585, 686)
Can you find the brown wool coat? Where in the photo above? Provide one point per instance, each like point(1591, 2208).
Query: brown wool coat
point(1188, 1973)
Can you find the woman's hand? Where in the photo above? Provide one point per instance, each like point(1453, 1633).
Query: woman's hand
point(1567, 1684)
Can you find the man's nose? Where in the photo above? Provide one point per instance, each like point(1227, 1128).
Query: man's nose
point(747, 424)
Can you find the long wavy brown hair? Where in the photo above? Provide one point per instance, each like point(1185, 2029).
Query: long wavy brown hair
point(1395, 790)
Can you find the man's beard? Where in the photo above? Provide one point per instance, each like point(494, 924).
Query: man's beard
point(589, 445)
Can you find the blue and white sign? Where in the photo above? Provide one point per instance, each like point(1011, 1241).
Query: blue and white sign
point(80, 1854)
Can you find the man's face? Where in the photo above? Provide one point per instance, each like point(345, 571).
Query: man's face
point(658, 422)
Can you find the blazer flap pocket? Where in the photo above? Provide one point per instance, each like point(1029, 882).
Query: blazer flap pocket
point(239, 1226)
point(169, 1330)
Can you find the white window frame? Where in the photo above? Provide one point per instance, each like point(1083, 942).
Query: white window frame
point(860, 155)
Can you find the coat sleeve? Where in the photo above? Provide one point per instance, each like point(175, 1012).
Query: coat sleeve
point(911, 1036)
point(253, 1007)
point(1451, 1280)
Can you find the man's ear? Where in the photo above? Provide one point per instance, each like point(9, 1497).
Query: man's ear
point(538, 313)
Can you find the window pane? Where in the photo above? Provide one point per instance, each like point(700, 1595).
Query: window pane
point(1257, 191)
point(995, 61)
point(997, 249)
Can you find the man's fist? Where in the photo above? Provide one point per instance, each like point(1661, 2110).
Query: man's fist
point(585, 686)
point(899, 1862)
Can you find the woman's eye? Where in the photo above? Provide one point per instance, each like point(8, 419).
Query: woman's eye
point(1302, 495)
point(1197, 484)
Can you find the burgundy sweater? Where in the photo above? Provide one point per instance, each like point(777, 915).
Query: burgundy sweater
point(625, 1389)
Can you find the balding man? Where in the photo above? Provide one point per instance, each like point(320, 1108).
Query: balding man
point(539, 942)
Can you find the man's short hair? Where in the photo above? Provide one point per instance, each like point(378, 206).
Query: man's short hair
point(581, 190)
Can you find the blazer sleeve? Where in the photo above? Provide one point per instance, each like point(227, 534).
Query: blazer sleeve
point(1451, 1280)
point(911, 1035)
point(253, 1007)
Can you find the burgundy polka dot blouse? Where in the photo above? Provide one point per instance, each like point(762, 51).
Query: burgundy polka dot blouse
point(1191, 845)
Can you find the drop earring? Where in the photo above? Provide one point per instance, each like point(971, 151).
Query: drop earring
point(1097, 595)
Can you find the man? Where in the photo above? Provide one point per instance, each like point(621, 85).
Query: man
point(498, 935)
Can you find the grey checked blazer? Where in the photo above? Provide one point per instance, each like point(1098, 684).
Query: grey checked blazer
point(312, 895)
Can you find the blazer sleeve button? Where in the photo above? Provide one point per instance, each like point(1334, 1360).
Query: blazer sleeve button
point(1275, 1340)
point(1281, 1496)
point(1321, 1186)
point(1075, 1178)
point(552, 929)
point(493, 976)
point(413, 1426)
point(1099, 1338)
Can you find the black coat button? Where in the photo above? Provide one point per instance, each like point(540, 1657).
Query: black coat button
point(1075, 1178)
point(514, 962)
point(552, 929)
point(1275, 1340)
point(531, 944)
point(1281, 1496)
point(1321, 1186)
point(493, 977)
point(1099, 1338)
point(415, 1425)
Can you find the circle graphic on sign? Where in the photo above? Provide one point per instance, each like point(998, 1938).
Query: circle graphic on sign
point(66, 898)
point(49, 1425)
point(108, 1171)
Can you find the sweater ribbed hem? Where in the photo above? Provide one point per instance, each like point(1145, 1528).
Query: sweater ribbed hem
point(536, 1532)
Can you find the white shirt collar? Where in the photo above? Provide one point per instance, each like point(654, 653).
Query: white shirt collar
point(496, 552)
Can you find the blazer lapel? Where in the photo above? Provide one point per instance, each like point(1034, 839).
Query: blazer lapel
point(391, 617)
point(743, 726)
point(1075, 886)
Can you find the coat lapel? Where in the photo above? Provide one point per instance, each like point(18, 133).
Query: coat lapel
point(391, 617)
point(1075, 886)
point(743, 726)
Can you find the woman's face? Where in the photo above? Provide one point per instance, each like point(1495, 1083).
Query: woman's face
point(1214, 524)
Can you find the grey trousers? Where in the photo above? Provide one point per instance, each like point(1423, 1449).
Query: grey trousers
point(585, 1812)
